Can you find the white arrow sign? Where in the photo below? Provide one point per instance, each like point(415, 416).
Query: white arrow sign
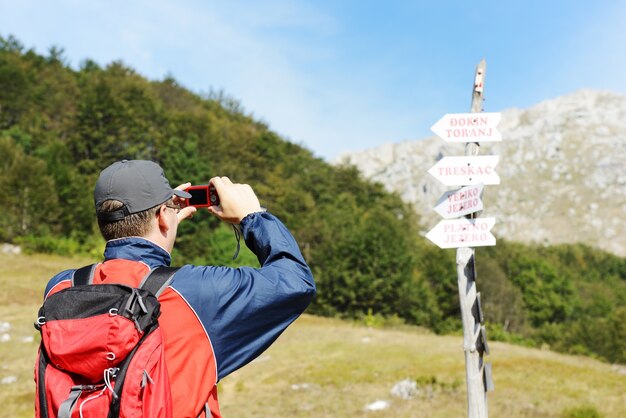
point(460, 202)
point(468, 127)
point(463, 171)
point(456, 233)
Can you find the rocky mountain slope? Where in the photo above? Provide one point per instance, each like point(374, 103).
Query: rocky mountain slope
point(562, 169)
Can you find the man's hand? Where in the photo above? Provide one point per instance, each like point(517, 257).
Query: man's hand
point(236, 200)
point(186, 212)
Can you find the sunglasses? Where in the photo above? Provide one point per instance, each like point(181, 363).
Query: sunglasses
point(174, 206)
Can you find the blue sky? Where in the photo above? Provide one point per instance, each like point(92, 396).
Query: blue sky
point(344, 75)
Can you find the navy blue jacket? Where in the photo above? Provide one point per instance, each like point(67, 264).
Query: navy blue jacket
point(215, 318)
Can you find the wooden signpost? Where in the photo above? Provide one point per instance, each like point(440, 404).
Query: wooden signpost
point(455, 233)
point(461, 171)
point(468, 231)
point(460, 202)
point(468, 127)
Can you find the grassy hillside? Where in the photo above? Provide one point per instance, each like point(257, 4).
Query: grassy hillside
point(331, 368)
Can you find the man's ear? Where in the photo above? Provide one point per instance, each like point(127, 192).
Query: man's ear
point(161, 216)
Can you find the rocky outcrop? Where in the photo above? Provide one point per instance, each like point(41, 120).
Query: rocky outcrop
point(562, 169)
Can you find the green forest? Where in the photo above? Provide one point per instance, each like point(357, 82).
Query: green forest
point(59, 126)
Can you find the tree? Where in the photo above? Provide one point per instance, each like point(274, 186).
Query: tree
point(27, 194)
point(502, 301)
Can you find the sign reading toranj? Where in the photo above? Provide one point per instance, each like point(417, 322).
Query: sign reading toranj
point(468, 127)
point(463, 232)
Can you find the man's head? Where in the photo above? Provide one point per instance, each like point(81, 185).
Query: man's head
point(129, 195)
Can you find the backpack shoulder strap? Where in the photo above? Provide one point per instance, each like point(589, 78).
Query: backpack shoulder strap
point(84, 275)
point(158, 279)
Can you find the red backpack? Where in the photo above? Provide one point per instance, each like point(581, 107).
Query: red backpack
point(101, 352)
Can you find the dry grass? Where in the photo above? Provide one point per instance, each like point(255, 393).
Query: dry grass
point(328, 368)
point(348, 367)
point(22, 282)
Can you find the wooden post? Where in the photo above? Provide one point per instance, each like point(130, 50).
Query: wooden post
point(478, 374)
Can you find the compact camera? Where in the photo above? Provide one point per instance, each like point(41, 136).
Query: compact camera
point(202, 196)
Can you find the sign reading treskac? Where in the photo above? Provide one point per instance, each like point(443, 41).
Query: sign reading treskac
point(460, 202)
point(463, 232)
point(463, 171)
point(468, 127)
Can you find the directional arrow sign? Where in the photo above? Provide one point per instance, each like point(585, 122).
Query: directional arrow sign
point(468, 127)
point(460, 202)
point(463, 171)
point(456, 233)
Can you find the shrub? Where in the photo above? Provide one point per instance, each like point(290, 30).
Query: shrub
point(585, 411)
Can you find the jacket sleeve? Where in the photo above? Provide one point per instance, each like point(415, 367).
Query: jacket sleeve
point(58, 282)
point(244, 310)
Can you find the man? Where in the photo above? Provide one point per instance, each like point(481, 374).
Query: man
point(214, 320)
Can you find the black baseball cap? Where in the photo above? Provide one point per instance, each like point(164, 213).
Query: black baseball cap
point(139, 184)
